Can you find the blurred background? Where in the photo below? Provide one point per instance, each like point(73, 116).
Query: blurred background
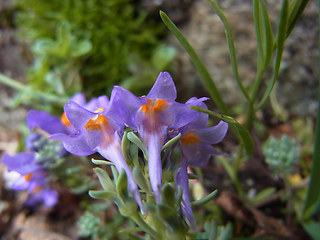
point(64, 47)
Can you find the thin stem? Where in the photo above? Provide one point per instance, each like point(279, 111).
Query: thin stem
point(251, 110)
point(231, 47)
point(27, 89)
point(212, 89)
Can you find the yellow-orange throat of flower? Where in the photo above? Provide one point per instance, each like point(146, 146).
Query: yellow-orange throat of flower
point(96, 123)
point(64, 120)
point(189, 138)
point(154, 106)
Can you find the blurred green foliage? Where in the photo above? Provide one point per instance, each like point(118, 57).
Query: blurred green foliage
point(90, 45)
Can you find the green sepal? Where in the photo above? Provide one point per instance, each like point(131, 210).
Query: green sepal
point(104, 179)
point(140, 179)
point(136, 140)
point(121, 186)
point(125, 146)
point(172, 141)
point(115, 174)
point(101, 162)
point(101, 194)
point(168, 195)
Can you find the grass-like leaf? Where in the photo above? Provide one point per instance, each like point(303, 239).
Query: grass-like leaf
point(240, 131)
point(230, 42)
point(312, 203)
point(280, 41)
point(209, 82)
point(295, 11)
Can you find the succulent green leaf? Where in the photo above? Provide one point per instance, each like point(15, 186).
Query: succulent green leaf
point(101, 162)
point(101, 194)
point(136, 140)
point(125, 145)
point(172, 141)
point(168, 195)
point(104, 179)
point(121, 186)
point(140, 179)
point(114, 173)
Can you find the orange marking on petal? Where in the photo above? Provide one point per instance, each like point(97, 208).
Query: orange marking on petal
point(188, 139)
point(160, 105)
point(37, 189)
point(65, 121)
point(147, 107)
point(28, 177)
point(94, 124)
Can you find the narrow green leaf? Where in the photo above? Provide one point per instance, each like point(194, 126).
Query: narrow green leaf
point(136, 140)
point(212, 89)
point(101, 194)
point(168, 195)
point(125, 146)
point(295, 11)
point(268, 35)
point(172, 141)
point(259, 34)
point(312, 228)
point(231, 47)
point(53, 99)
point(240, 131)
point(211, 229)
point(263, 195)
point(114, 173)
point(280, 41)
point(206, 199)
point(225, 232)
point(104, 179)
point(140, 179)
point(122, 183)
point(101, 162)
point(312, 203)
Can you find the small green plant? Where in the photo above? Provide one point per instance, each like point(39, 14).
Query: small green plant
point(281, 154)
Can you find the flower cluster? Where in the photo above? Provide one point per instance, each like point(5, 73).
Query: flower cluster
point(33, 174)
point(156, 117)
point(99, 125)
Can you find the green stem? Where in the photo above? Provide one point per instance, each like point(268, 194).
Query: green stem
point(251, 109)
point(213, 91)
point(27, 89)
point(232, 51)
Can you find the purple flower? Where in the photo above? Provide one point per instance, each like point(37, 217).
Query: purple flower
point(196, 150)
point(32, 178)
point(51, 124)
point(153, 116)
point(98, 129)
